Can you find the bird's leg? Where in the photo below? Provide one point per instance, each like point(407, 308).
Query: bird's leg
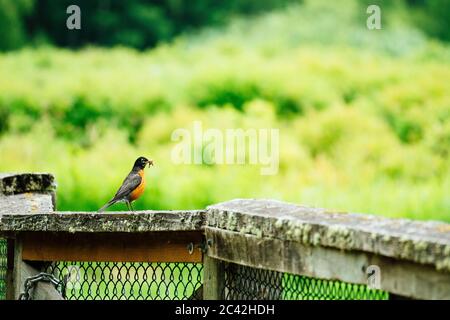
point(128, 205)
point(131, 205)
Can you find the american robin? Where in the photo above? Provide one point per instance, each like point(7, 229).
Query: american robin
point(132, 187)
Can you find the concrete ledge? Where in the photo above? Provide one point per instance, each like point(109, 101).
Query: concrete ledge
point(26, 203)
point(417, 241)
point(93, 222)
point(24, 193)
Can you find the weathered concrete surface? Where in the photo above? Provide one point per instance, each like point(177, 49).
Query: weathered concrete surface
point(401, 277)
point(24, 193)
point(26, 203)
point(139, 221)
point(14, 183)
point(417, 241)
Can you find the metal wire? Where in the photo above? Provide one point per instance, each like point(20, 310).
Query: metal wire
point(31, 282)
point(3, 266)
point(128, 281)
point(245, 283)
point(172, 281)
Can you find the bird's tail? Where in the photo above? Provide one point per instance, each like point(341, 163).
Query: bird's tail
point(107, 205)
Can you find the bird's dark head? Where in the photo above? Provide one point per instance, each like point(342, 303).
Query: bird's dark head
point(141, 162)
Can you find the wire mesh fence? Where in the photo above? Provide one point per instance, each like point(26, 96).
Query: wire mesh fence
point(3, 266)
point(178, 281)
point(128, 281)
point(246, 283)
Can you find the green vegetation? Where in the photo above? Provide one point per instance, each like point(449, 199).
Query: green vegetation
point(364, 116)
point(135, 23)
point(145, 23)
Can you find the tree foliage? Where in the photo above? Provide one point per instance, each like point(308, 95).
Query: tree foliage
point(136, 23)
point(143, 23)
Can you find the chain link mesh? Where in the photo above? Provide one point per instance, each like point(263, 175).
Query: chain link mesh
point(3, 266)
point(246, 283)
point(173, 281)
point(128, 281)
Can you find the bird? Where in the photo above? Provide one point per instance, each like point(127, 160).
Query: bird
point(132, 187)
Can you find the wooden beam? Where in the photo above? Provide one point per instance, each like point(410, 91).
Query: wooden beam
point(21, 272)
point(10, 252)
point(397, 276)
point(17, 283)
point(108, 247)
point(197, 294)
point(214, 279)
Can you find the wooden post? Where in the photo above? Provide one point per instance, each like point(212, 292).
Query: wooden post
point(20, 193)
point(213, 279)
point(10, 270)
point(22, 271)
point(16, 272)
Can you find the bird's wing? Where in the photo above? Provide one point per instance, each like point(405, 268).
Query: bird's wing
point(131, 182)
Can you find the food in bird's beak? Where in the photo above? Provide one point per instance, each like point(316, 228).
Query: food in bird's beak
point(150, 163)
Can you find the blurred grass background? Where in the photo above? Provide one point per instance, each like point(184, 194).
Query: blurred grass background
point(364, 116)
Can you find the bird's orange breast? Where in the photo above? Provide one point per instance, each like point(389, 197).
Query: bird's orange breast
point(136, 193)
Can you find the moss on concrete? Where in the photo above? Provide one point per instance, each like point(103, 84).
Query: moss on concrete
point(11, 183)
point(417, 241)
point(142, 221)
